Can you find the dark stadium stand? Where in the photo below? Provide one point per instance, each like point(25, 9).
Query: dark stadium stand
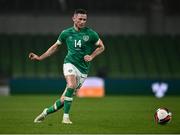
point(125, 57)
point(93, 6)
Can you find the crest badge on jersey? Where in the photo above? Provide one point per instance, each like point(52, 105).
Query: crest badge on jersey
point(70, 37)
point(86, 38)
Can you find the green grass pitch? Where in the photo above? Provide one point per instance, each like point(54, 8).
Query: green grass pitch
point(111, 114)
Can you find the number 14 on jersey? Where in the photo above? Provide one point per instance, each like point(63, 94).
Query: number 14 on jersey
point(77, 43)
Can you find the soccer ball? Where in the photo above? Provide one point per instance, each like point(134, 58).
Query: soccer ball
point(162, 116)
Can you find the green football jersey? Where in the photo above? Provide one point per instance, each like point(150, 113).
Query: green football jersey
point(79, 43)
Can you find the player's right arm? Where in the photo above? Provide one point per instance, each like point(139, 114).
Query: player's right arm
point(51, 50)
point(48, 53)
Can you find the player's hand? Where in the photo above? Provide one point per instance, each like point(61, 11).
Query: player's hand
point(33, 56)
point(88, 58)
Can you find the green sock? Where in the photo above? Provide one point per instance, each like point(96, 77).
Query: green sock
point(57, 105)
point(68, 100)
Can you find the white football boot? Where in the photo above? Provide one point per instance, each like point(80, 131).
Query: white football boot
point(41, 116)
point(66, 120)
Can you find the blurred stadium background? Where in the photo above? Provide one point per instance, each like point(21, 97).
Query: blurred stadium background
point(142, 39)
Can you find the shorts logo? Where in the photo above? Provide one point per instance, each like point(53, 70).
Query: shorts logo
point(70, 70)
point(85, 38)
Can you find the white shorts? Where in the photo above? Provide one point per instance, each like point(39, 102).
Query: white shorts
point(70, 69)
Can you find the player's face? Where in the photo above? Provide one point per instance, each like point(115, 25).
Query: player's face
point(80, 20)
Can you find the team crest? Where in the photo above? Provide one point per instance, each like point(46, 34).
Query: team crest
point(70, 37)
point(70, 70)
point(85, 38)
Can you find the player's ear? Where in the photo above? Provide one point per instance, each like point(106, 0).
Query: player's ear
point(73, 18)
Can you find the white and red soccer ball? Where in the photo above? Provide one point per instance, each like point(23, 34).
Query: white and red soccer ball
point(162, 116)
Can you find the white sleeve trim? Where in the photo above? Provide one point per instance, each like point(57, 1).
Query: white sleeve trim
point(58, 42)
point(97, 43)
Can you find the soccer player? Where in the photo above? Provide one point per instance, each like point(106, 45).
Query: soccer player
point(83, 46)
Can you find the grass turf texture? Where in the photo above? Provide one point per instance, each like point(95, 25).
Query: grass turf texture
point(111, 114)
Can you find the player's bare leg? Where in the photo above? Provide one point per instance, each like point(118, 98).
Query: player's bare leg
point(68, 98)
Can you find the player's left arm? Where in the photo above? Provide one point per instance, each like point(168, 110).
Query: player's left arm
point(100, 48)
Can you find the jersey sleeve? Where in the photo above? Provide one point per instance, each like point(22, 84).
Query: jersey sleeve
point(94, 37)
point(62, 37)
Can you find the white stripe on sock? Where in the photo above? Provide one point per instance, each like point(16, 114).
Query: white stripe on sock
point(66, 115)
point(55, 106)
point(68, 98)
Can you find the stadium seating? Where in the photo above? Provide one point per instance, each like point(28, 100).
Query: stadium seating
point(143, 56)
point(93, 6)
